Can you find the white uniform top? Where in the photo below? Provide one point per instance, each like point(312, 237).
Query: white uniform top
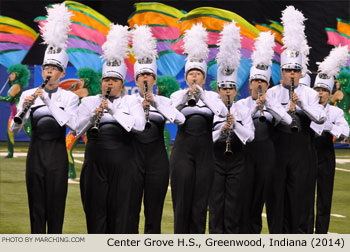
point(308, 101)
point(209, 102)
point(338, 127)
point(162, 108)
point(63, 106)
point(126, 110)
point(272, 109)
point(243, 127)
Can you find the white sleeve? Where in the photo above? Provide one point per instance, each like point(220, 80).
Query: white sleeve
point(217, 131)
point(15, 128)
point(131, 118)
point(68, 116)
point(213, 102)
point(313, 109)
point(340, 126)
point(179, 99)
point(245, 131)
point(163, 105)
point(86, 117)
point(277, 110)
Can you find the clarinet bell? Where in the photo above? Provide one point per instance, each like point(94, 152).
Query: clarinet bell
point(228, 153)
point(192, 102)
point(18, 119)
point(148, 125)
point(294, 128)
point(262, 118)
point(95, 130)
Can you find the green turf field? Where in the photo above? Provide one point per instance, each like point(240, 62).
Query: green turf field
point(14, 213)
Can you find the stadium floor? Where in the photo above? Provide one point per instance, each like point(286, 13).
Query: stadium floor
point(14, 213)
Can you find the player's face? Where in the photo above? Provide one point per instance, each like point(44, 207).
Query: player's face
point(288, 74)
point(115, 84)
point(254, 86)
point(140, 82)
point(195, 76)
point(55, 74)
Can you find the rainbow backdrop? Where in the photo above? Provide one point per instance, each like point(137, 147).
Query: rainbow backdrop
point(88, 32)
point(169, 24)
point(340, 36)
point(15, 41)
point(213, 20)
point(163, 21)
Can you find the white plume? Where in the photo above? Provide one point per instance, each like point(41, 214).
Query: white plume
point(55, 30)
point(116, 45)
point(195, 45)
point(229, 54)
point(264, 52)
point(336, 59)
point(305, 50)
point(143, 43)
point(293, 28)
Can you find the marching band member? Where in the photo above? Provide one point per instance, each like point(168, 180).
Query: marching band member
point(293, 144)
point(17, 80)
point(151, 154)
point(336, 126)
point(88, 85)
point(191, 160)
point(47, 162)
point(230, 135)
point(261, 151)
point(108, 174)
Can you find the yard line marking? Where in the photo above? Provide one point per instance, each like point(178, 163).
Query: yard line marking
point(340, 169)
point(78, 161)
point(263, 214)
point(71, 181)
point(342, 161)
point(82, 155)
point(18, 154)
point(24, 154)
point(338, 215)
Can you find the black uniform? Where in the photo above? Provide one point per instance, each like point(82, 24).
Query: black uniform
point(226, 200)
point(338, 127)
point(192, 161)
point(290, 177)
point(260, 161)
point(109, 171)
point(153, 163)
point(47, 161)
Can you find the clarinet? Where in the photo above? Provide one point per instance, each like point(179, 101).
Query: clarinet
point(262, 117)
point(294, 126)
point(228, 151)
point(146, 109)
point(95, 129)
point(192, 101)
point(26, 106)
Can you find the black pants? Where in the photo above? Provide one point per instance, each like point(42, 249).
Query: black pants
point(192, 172)
point(153, 180)
point(257, 181)
point(287, 202)
point(226, 199)
point(325, 182)
point(307, 225)
point(47, 182)
point(107, 189)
